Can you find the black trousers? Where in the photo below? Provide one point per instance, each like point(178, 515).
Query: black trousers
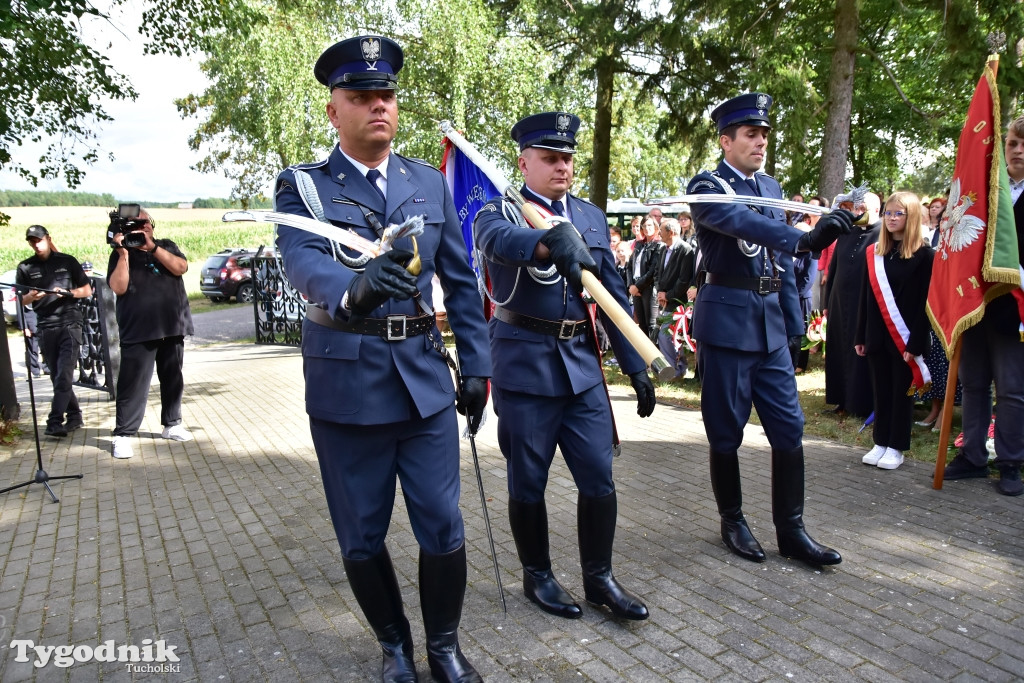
point(645, 311)
point(60, 347)
point(136, 375)
point(894, 410)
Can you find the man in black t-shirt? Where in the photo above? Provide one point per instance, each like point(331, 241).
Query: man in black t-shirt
point(59, 324)
point(153, 318)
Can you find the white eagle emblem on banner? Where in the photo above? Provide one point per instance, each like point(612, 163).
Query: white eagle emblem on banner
point(957, 229)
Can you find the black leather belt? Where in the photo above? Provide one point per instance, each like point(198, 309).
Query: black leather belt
point(760, 285)
point(563, 329)
point(391, 328)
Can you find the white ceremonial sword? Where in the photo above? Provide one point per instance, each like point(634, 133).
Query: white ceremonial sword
point(855, 196)
point(344, 237)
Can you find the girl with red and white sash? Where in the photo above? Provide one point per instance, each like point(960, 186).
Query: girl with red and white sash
point(892, 325)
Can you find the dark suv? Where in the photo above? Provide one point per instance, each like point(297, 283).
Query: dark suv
point(228, 273)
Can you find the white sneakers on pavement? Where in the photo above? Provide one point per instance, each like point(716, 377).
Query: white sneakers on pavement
point(122, 447)
point(177, 433)
point(874, 455)
point(891, 460)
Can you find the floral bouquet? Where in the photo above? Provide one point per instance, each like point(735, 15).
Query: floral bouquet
point(678, 326)
point(815, 334)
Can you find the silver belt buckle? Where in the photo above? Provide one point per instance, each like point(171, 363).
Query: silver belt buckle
point(396, 327)
point(567, 330)
point(764, 285)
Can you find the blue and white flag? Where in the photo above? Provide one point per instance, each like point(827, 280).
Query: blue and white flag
point(470, 189)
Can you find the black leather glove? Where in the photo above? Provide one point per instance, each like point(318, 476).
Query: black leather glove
point(385, 277)
point(569, 253)
point(827, 231)
point(472, 400)
point(644, 393)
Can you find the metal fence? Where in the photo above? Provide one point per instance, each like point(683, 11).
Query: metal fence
point(279, 308)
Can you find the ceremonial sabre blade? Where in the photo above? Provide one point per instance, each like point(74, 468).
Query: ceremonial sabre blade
point(331, 232)
point(659, 365)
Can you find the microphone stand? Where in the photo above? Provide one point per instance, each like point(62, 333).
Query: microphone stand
point(41, 476)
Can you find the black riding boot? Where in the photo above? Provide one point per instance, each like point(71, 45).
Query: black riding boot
point(788, 510)
point(376, 589)
point(442, 588)
point(725, 482)
point(596, 522)
point(529, 522)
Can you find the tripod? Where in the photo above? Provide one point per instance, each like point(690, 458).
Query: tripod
point(41, 476)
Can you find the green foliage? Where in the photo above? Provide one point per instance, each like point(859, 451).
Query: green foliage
point(10, 198)
point(53, 87)
point(916, 67)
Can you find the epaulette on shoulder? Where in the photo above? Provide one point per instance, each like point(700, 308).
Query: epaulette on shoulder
point(421, 162)
point(697, 182)
point(311, 164)
point(585, 201)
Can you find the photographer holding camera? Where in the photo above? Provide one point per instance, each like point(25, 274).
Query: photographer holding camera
point(153, 317)
point(50, 282)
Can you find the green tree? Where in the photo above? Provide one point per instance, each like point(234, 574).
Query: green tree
point(264, 110)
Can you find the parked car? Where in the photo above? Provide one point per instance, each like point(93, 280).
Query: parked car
point(228, 273)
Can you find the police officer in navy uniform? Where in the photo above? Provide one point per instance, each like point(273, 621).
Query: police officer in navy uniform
point(744, 314)
point(547, 381)
point(379, 395)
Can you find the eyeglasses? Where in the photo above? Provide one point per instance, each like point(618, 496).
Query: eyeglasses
point(894, 214)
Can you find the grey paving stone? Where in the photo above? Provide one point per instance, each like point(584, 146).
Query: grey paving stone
point(223, 545)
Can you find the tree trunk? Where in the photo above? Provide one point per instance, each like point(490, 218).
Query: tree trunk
point(836, 142)
point(599, 164)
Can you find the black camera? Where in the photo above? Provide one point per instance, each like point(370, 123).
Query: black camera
point(125, 220)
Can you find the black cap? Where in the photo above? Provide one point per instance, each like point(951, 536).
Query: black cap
point(551, 130)
point(360, 63)
point(750, 109)
point(36, 231)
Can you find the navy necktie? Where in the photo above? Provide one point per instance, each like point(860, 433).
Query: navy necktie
point(372, 175)
point(557, 208)
point(752, 182)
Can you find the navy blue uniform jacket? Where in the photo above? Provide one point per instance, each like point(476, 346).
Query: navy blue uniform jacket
point(363, 379)
point(530, 362)
point(734, 240)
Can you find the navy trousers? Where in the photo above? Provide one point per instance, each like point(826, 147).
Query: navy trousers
point(529, 428)
point(732, 381)
point(360, 464)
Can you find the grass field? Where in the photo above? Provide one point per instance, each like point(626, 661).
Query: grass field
point(81, 232)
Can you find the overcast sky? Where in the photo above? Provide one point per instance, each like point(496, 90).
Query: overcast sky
point(147, 137)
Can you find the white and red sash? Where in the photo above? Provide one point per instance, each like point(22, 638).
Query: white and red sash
point(893, 319)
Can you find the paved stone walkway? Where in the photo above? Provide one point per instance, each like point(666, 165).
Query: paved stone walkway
point(222, 548)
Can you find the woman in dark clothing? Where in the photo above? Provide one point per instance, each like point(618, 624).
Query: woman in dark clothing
point(892, 326)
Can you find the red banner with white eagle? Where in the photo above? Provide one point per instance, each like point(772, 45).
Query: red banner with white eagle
point(976, 259)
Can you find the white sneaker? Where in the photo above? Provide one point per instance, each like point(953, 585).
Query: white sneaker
point(891, 460)
point(874, 455)
point(177, 433)
point(122, 447)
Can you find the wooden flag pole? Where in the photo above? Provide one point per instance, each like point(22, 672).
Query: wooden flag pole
point(947, 414)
